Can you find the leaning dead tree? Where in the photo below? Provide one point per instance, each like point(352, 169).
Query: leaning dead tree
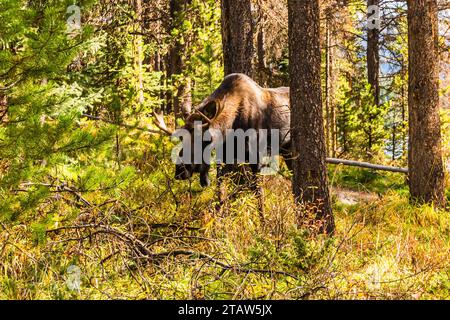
point(366, 165)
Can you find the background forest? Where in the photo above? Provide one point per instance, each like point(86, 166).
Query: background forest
point(87, 187)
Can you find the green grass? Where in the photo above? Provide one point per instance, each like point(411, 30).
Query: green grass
point(367, 180)
point(383, 249)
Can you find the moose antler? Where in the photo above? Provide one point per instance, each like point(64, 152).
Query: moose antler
point(208, 120)
point(199, 111)
point(159, 122)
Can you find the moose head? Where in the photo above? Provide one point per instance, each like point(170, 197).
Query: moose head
point(196, 126)
point(190, 158)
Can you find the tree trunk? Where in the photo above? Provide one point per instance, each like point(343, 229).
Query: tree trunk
point(310, 186)
point(186, 97)
point(176, 64)
point(327, 93)
point(373, 66)
point(373, 58)
point(238, 50)
point(168, 95)
point(237, 36)
point(261, 52)
point(138, 54)
point(333, 85)
point(344, 118)
point(261, 47)
point(394, 137)
point(328, 135)
point(404, 103)
point(426, 178)
point(333, 121)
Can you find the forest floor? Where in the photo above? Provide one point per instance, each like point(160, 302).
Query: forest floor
point(158, 238)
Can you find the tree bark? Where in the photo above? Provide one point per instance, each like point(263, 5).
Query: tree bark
point(186, 97)
point(373, 69)
point(310, 185)
point(261, 53)
point(404, 104)
point(373, 58)
point(426, 177)
point(138, 54)
point(333, 119)
point(333, 85)
point(329, 92)
point(237, 36)
point(176, 65)
point(327, 88)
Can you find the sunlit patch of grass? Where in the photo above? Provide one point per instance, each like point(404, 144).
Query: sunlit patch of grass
point(404, 251)
point(366, 180)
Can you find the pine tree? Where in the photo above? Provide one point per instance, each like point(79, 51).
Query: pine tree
point(426, 169)
point(237, 36)
point(307, 128)
point(39, 130)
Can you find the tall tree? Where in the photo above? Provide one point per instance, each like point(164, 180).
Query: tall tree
point(237, 36)
point(330, 83)
point(138, 53)
point(426, 169)
point(310, 186)
point(373, 60)
point(261, 50)
point(327, 84)
point(182, 103)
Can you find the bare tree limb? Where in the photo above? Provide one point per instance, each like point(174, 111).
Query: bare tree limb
point(366, 165)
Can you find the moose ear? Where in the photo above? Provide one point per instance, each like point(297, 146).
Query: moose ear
point(210, 110)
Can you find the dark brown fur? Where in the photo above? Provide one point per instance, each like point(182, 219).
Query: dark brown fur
point(240, 103)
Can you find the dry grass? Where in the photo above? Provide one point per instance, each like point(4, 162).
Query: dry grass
point(161, 239)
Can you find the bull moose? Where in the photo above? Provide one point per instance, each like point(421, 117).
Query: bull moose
point(238, 103)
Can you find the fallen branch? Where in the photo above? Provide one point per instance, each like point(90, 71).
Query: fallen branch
point(172, 226)
point(366, 165)
point(125, 237)
point(8, 87)
point(236, 268)
point(146, 254)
